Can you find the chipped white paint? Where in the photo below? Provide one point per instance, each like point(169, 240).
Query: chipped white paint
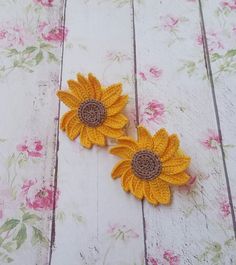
point(195, 229)
point(221, 22)
point(102, 220)
point(28, 128)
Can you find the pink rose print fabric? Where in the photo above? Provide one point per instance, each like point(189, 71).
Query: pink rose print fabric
point(168, 258)
point(224, 207)
point(14, 35)
point(171, 257)
point(230, 4)
point(169, 22)
point(47, 3)
point(213, 40)
point(38, 196)
point(151, 113)
point(33, 148)
point(153, 261)
point(26, 45)
point(17, 35)
point(52, 33)
point(223, 204)
point(151, 73)
point(212, 140)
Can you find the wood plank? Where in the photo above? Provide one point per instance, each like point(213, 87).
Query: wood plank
point(96, 222)
point(28, 126)
point(220, 35)
point(174, 95)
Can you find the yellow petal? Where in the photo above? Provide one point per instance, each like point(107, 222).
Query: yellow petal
point(74, 132)
point(83, 81)
point(120, 168)
point(82, 91)
point(160, 140)
point(96, 86)
point(126, 179)
point(117, 121)
point(122, 151)
point(144, 138)
point(111, 94)
point(148, 194)
point(96, 137)
point(128, 141)
point(66, 117)
point(68, 99)
point(117, 106)
point(175, 165)
point(178, 179)
point(73, 128)
point(76, 89)
point(84, 139)
point(160, 190)
point(172, 147)
point(179, 153)
point(133, 184)
point(137, 188)
point(110, 132)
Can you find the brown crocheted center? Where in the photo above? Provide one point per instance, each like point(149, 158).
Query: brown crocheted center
point(92, 113)
point(146, 165)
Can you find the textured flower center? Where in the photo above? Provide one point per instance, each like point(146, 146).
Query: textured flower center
point(92, 112)
point(146, 165)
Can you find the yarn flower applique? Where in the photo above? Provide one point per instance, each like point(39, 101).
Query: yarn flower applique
point(95, 112)
point(150, 165)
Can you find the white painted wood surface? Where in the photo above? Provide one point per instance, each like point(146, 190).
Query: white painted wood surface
point(95, 221)
point(28, 129)
point(191, 227)
point(221, 22)
point(106, 220)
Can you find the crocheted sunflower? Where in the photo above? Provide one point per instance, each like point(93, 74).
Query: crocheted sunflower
point(95, 111)
point(150, 165)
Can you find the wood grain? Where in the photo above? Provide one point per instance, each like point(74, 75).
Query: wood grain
point(221, 22)
point(188, 229)
point(193, 230)
point(28, 128)
point(102, 221)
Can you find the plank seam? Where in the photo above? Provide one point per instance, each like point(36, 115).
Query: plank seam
point(53, 221)
point(210, 78)
point(137, 116)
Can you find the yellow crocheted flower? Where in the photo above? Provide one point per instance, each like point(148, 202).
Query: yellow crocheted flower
point(150, 165)
point(95, 111)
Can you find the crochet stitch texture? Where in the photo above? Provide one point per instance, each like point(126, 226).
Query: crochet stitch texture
point(150, 165)
point(95, 111)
